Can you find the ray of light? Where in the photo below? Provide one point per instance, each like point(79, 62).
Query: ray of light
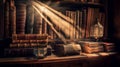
point(50, 24)
point(56, 12)
point(64, 25)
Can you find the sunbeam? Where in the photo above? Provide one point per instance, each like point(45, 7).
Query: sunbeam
point(65, 24)
point(51, 25)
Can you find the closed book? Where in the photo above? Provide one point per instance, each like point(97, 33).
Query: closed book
point(25, 52)
point(6, 19)
point(12, 17)
point(109, 47)
point(67, 49)
point(27, 45)
point(92, 47)
point(29, 18)
point(20, 18)
point(84, 22)
point(38, 24)
point(18, 52)
point(91, 20)
point(29, 41)
point(29, 37)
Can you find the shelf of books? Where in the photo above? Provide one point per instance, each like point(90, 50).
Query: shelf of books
point(22, 18)
point(32, 23)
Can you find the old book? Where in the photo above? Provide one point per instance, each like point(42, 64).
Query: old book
point(38, 24)
point(29, 18)
point(20, 45)
point(30, 41)
point(36, 28)
point(27, 45)
point(90, 20)
point(29, 36)
point(6, 19)
point(68, 16)
point(75, 31)
point(80, 22)
point(12, 17)
point(94, 21)
point(92, 47)
point(84, 22)
point(20, 18)
point(25, 52)
point(109, 47)
point(44, 25)
point(18, 52)
point(67, 49)
point(72, 28)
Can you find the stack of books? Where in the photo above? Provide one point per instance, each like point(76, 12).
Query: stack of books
point(27, 45)
point(29, 40)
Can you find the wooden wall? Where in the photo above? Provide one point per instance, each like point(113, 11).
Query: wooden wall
point(114, 22)
point(116, 16)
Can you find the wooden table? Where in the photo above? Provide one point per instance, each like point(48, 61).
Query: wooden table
point(83, 60)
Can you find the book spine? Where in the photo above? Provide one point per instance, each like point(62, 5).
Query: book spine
point(21, 18)
point(27, 45)
point(84, 22)
point(109, 47)
point(6, 19)
point(43, 26)
point(29, 37)
point(12, 18)
point(72, 32)
point(29, 41)
point(68, 16)
point(89, 21)
point(41, 21)
point(81, 31)
point(29, 18)
point(93, 47)
point(50, 32)
point(38, 24)
point(77, 24)
point(94, 16)
point(74, 25)
point(45, 29)
point(15, 52)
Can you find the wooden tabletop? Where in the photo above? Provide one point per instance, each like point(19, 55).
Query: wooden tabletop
point(54, 58)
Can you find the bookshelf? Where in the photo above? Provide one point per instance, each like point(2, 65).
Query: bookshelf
point(27, 21)
point(69, 21)
point(88, 11)
point(80, 4)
